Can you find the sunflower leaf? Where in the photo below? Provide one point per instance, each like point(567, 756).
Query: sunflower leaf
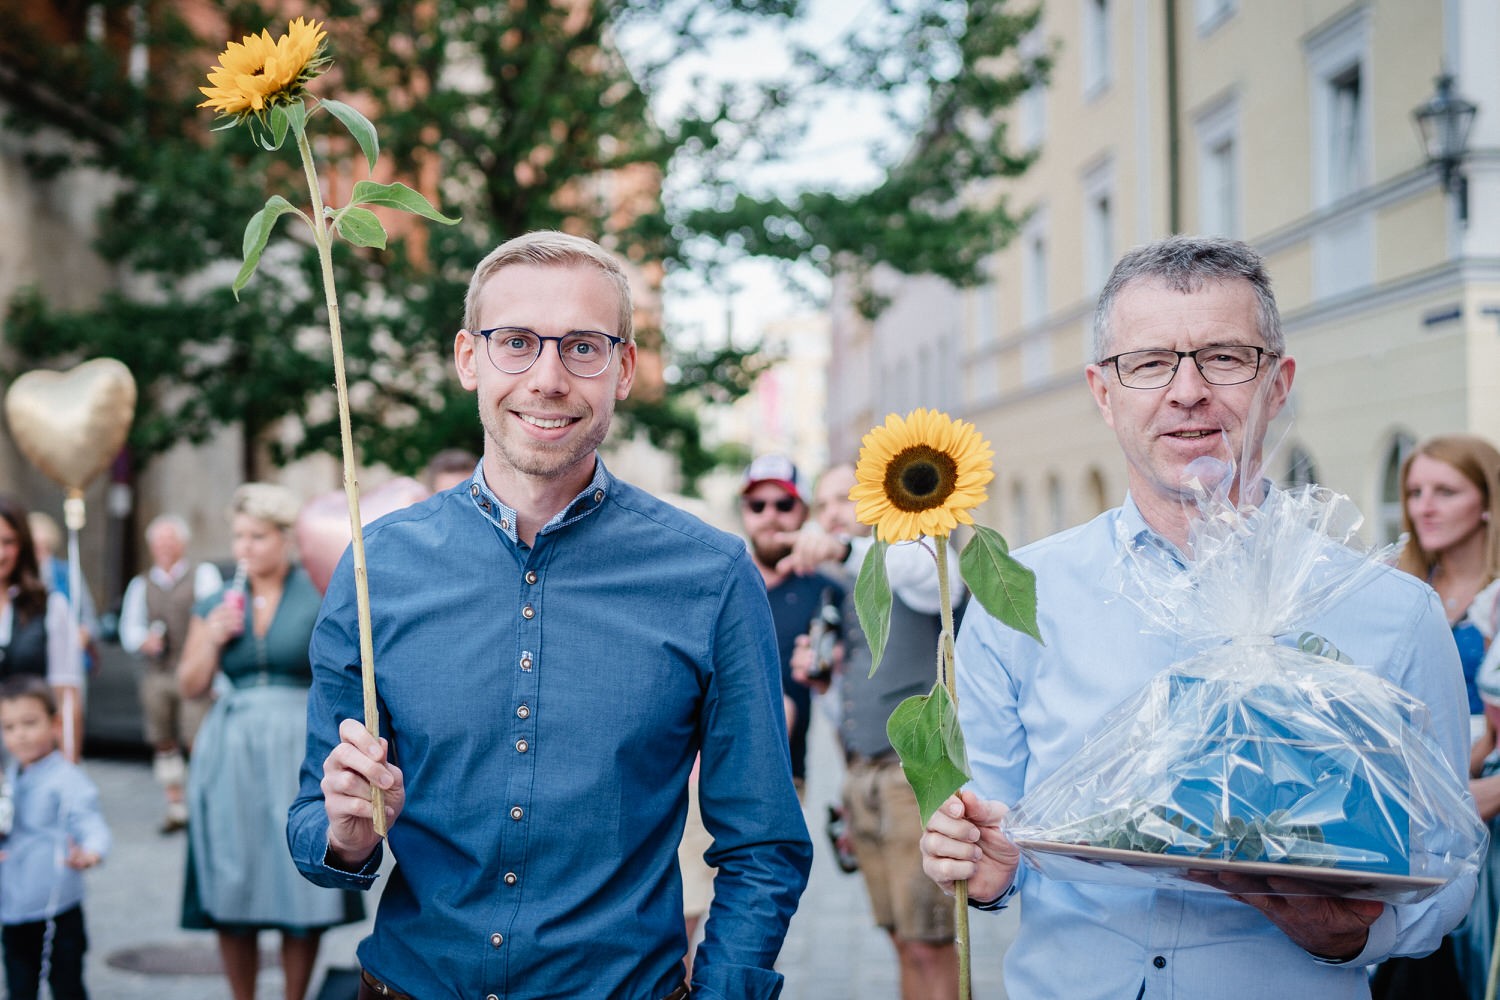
point(257, 233)
point(400, 196)
point(278, 125)
point(925, 732)
point(360, 227)
point(358, 125)
point(1003, 587)
point(872, 601)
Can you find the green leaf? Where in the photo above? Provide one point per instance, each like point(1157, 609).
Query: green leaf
point(279, 124)
point(257, 232)
point(872, 601)
point(1003, 587)
point(360, 227)
point(358, 125)
point(925, 732)
point(400, 196)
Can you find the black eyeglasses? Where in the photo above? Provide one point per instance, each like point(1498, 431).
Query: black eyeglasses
point(784, 504)
point(585, 353)
point(1228, 364)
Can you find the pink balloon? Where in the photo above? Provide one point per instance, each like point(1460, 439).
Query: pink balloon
point(323, 525)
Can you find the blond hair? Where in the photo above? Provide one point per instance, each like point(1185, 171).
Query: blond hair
point(1478, 462)
point(550, 248)
point(267, 502)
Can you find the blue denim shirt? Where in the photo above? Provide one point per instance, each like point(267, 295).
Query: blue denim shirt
point(545, 704)
point(56, 806)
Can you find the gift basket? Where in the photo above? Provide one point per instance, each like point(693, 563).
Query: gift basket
point(1263, 763)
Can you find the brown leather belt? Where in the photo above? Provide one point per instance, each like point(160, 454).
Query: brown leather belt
point(371, 988)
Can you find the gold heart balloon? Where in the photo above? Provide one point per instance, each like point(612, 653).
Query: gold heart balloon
point(72, 424)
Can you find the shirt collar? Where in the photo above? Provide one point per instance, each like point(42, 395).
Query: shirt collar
point(166, 578)
point(503, 516)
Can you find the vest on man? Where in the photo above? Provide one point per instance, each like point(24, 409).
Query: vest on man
point(908, 667)
point(174, 608)
point(27, 650)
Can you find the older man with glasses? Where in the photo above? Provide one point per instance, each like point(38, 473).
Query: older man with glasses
point(1027, 708)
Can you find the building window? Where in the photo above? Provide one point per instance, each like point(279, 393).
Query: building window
point(1034, 270)
point(1219, 169)
point(1020, 515)
point(1338, 60)
point(1057, 505)
point(1388, 524)
point(1209, 14)
point(1300, 468)
point(1096, 47)
point(1099, 226)
point(1032, 120)
point(1096, 492)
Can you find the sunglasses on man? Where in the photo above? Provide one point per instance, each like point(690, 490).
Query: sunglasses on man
point(784, 504)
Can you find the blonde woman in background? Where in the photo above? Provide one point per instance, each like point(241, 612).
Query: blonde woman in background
point(240, 877)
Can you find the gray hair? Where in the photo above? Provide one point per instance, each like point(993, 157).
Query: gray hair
point(267, 502)
point(1184, 264)
point(548, 247)
point(173, 521)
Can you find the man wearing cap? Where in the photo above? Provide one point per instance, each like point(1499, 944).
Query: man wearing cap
point(773, 509)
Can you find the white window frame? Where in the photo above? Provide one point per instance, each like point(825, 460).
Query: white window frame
point(1031, 107)
point(1336, 51)
point(1217, 127)
point(1097, 47)
point(1099, 228)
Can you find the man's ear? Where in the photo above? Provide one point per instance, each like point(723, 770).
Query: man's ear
point(1099, 386)
point(627, 370)
point(465, 360)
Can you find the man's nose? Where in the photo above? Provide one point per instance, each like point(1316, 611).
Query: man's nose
point(1188, 386)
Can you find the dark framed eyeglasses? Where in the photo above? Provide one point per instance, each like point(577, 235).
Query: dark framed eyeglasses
point(514, 349)
point(785, 505)
point(1225, 364)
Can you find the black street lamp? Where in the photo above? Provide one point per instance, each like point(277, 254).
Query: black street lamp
point(1444, 122)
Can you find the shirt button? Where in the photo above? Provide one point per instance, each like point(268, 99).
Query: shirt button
point(522, 746)
point(516, 812)
point(598, 496)
point(496, 940)
point(528, 612)
point(510, 879)
point(1159, 962)
point(531, 576)
point(523, 712)
point(473, 489)
point(492, 997)
point(504, 524)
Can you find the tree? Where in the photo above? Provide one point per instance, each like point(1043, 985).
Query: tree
point(521, 116)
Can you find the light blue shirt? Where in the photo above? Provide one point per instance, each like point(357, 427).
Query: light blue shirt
point(545, 703)
point(56, 804)
point(1026, 708)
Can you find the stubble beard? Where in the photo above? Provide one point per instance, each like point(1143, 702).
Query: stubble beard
point(540, 459)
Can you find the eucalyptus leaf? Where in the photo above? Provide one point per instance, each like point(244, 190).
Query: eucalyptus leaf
point(872, 601)
point(400, 196)
point(1003, 587)
point(257, 233)
point(358, 125)
point(360, 227)
point(924, 730)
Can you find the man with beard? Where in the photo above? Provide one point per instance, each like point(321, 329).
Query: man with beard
point(773, 510)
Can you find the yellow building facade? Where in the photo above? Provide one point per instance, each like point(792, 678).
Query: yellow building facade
point(1281, 122)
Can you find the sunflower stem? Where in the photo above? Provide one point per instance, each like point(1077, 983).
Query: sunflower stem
point(322, 237)
point(947, 666)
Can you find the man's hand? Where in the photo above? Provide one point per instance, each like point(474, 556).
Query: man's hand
point(79, 859)
point(810, 550)
point(1325, 926)
point(963, 841)
point(350, 770)
point(803, 662)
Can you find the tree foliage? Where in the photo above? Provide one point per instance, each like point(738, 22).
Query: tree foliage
point(518, 116)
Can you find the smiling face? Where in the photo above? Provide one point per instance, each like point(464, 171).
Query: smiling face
point(1445, 507)
point(1161, 431)
point(543, 426)
point(260, 545)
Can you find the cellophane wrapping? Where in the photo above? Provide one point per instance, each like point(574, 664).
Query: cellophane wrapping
point(1257, 753)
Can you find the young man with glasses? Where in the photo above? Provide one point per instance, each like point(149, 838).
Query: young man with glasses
point(553, 649)
point(773, 510)
point(1192, 365)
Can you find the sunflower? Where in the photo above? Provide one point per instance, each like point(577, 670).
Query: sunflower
point(920, 476)
point(257, 73)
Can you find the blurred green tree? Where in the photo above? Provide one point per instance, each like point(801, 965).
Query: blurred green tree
point(517, 116)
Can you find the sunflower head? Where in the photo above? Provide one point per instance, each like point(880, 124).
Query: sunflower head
point(920, 476)
point(258, 73)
